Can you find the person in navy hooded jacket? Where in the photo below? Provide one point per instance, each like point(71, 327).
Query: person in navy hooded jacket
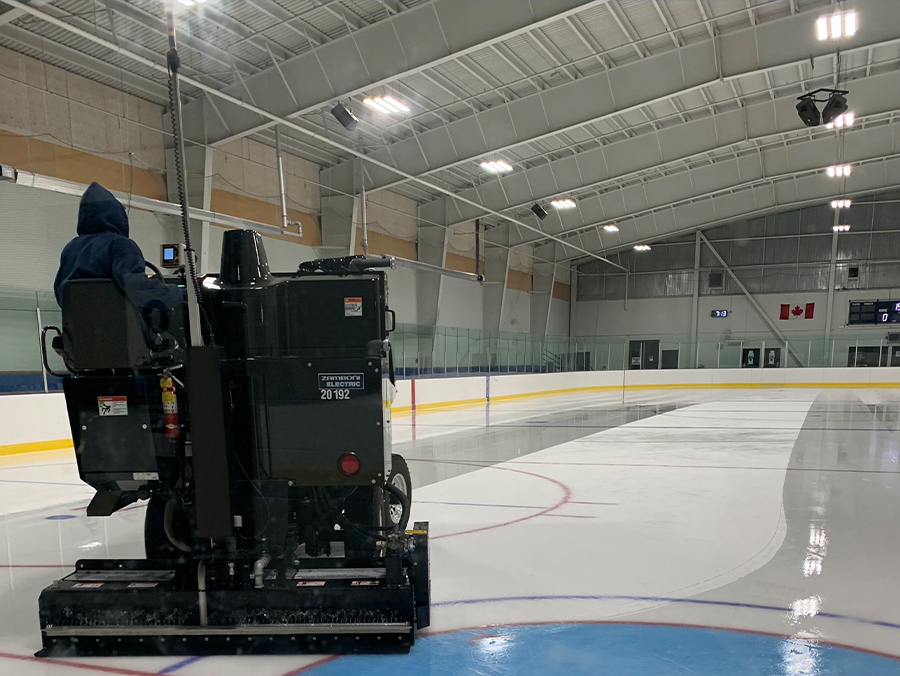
point(103, 250)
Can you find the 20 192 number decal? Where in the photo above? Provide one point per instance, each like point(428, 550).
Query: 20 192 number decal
point(337, 393)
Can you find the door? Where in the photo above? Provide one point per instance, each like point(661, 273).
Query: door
point(650, 354)
point(635, 349)
point(669, 359)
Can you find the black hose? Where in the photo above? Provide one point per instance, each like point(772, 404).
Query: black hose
point(404, 502)
point(174, 63)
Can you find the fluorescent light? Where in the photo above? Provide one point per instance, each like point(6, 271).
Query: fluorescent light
point(840, 204)
point(642, 247)
point(835, 25)
point(377, 105)
point(563, 204)
point(402, 108)
point(187, 3)
point(386, 104)
point(840, 228)
point(842, 120)
point(839, 170)
point(841, 25)
point(496, 166)
point(611, 228)
point(850, 24)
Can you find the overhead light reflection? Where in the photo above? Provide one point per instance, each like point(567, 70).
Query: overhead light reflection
point(809, 607)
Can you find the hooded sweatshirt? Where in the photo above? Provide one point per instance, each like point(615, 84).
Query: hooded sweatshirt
point(103, 250)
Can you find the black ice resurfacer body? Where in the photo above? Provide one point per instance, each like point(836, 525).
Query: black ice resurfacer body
point(277, 518)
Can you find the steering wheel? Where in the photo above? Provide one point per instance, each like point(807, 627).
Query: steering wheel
point(157, 274)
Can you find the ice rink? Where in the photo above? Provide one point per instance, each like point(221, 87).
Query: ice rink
point(673, 532)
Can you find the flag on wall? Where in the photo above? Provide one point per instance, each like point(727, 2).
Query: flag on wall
point(791, 311)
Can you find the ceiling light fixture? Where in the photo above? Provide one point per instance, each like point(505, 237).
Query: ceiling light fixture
point(187, 3)
point(496, 166)
point(840, 204)
point(840, 24)
point(840, 228)
point(343, 115)
point(844, 120)
point(611, 228)
point(835, 104)
point(563, 204)
point(642, 247)
point(386, 104)
point(839, 170)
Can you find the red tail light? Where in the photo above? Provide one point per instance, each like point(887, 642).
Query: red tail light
point(349, 464)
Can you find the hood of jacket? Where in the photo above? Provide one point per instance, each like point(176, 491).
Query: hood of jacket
point(100, 211)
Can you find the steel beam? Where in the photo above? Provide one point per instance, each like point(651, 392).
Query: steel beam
point(11, 15)
point(605, 94)
point(611, 164)
point(422, 37)
point(155, 92)
point(256, 110)
point(753, 302)
point(158, 25)
point(730, 189)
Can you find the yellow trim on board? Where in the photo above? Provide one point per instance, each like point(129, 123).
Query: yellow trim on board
point(435, 407)
point(36, 447)
point(403, 411)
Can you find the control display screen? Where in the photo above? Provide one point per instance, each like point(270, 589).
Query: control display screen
point(170, 255)
point(718, 313)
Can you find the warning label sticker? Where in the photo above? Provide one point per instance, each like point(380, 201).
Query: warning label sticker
point(311, 583)
point(112, 405)
point(341, 381)
point(364, 583)
point(353, 307)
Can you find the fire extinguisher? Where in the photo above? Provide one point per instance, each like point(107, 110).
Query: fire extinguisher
point(170, 406)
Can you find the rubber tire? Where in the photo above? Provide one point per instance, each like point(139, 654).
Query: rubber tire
point(398, 466)
point(156, 544)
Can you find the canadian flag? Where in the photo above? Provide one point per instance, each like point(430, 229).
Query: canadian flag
point(790, 311)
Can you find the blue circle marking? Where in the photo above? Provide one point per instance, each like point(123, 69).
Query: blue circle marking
point(613, 650)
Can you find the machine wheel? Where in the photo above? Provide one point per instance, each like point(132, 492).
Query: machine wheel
point(157, 545)
point(400, 478)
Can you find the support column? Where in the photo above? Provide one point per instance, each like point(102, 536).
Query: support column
point(832, 278)
point(695, 304)
point(339, 185)
point(198, 161)
point(542, 276)
point(496, 270)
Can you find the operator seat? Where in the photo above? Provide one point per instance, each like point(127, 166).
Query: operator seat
point(102, 329)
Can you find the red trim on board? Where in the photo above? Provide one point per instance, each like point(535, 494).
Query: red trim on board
point(412, 394)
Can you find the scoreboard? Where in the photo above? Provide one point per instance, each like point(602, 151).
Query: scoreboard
point(874, 312)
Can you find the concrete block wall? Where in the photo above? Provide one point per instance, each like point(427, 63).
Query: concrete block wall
point(64, 108)
point(249, 168)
